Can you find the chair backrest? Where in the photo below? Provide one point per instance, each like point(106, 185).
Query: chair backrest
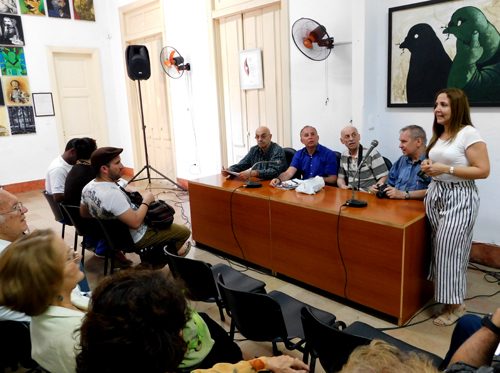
point(338, 156)
point(257, 317)
point(388, 163)
point(289, 153)
point(196, 275)
point(73, 214)
point(327, 342)
point(55, 207)
point(117, 235)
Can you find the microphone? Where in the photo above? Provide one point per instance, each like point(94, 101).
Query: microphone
point(356, 202)
point(256, 184)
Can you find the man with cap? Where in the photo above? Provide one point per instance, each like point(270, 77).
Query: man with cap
point(103, 198)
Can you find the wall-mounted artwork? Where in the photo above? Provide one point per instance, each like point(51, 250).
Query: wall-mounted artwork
point(8, 6)
point(33, 7)
point(2, 101)
point(58, 8)
point(441, 43)
point(251, 69)
point(4, 122)
point(21, 120)
point(84, 10)
point(17, 91)
point(11, 30)
point(12, 61)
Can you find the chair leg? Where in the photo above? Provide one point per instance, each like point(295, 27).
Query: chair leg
point(276, 352)
point(63, 229)
point(232, 330)
point(221, 310)
point(75, 244)
point(312, 365)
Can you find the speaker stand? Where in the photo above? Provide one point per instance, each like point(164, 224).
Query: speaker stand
point(147, 167)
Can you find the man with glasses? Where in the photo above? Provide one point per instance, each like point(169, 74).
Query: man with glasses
point(269, 153)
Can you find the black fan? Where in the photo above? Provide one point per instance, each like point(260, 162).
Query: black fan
point(173, 63)
point(312, 39)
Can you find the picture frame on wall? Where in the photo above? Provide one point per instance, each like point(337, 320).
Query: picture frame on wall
point(32, 7)
point(251, 69)
point(84, 10)
point(12, 33)
point(17, 90)
point(58, 8)
point(43, 104)
point(8, 6)
point(441, 43)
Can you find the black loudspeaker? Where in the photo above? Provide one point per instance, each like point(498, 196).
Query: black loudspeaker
point(137, 58)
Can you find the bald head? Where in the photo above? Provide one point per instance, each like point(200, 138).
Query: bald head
point(349, 136)
point(263, 136)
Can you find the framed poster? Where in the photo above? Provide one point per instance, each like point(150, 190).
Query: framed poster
point(11, 30)
point(442, 43)
point(43, 104)
point(17, 90)
point(8, 6)
point(84, 10)
point(21, 120)
point(33, 7)
point(251, 69)
point(58, 8)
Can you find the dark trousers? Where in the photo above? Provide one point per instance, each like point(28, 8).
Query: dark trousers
point(466, 326)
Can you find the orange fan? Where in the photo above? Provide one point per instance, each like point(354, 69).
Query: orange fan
point(173, 63)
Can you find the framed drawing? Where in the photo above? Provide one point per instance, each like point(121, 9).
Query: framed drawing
point(12, 30)
point(251, 69)
point(21, 120)
point(33, 7)
point(442, 43)
point(84, 10)
point(58, 8)
point(43, 104)
point(17, 90)
point(8, 6)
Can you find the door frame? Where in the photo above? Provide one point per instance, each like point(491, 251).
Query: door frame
point(98, 93)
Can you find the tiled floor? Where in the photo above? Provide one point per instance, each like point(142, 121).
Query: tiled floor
point(424, 335)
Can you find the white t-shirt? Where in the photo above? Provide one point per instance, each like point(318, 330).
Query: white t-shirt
point(56, 176)
point(452, 153)
point(105, 200)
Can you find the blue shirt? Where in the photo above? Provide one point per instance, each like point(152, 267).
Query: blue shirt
point(322, 163)
point(403, 174)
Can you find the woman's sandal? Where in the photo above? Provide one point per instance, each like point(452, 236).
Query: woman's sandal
point(450, 317)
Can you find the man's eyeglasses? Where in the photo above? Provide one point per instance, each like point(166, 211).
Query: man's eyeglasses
point(17, 207)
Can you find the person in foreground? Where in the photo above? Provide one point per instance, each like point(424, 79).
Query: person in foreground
point(312, 160)
point(269, 153)
point(405, 180)
point(135, 324)
point(47, 295)
point(457, 155)
point(373, 172)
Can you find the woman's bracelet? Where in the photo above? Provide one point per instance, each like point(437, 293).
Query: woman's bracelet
point(144, 203)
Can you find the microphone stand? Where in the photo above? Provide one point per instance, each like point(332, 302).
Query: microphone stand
point(256, 184)
point(356, 202)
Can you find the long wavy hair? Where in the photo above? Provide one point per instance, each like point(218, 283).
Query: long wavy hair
point(133, 325)
point(460, 115)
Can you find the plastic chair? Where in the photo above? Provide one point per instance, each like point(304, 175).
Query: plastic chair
point(273, 317)
point(200, 279)
point(332, 342)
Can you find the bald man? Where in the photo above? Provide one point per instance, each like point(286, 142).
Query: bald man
point(269, 153)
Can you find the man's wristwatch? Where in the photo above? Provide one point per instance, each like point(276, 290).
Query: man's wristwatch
point(407, 195)
point(487, 323)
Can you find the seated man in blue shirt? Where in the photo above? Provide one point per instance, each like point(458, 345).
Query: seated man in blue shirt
point(404, 181)
point(312, 160)
point(270, 154)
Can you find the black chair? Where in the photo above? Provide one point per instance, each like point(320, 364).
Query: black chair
point(388, 163)
point(200, 279)
point(59, 215)
point(338, 157)
point(273, 317)
point(118, 238)
point(332, 342)
point(289, 153)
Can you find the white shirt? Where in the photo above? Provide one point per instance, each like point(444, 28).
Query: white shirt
point(56, 176)
point(452, 153)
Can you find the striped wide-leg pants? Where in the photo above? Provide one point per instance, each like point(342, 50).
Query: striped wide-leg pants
point(452, 210)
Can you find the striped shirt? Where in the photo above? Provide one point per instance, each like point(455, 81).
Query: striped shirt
point(372, 170)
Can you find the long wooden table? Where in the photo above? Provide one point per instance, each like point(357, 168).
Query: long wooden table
point(375, 256)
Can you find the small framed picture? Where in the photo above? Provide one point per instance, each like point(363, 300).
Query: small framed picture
point(43, 104)
point(251, 69)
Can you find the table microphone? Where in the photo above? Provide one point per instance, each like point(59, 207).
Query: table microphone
point(357, 202)
point(256, 184)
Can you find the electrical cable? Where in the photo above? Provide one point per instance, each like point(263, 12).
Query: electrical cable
point(340, 251)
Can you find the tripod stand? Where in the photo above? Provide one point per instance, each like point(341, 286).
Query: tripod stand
point(148, 168)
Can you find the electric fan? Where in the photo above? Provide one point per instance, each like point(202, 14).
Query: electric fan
point(173, 63)
point(312, 39)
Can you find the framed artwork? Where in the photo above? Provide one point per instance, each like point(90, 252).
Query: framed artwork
point(84, 10)
point(11, 30)
point(16, 90)
point(251, 69)
point(2, 101)
point(43, 104)
point(441, 43)
point(58, 8)
point(12, 61)
point(8, 6)
point(4, 123)
point(33, 7)
point(21, 120)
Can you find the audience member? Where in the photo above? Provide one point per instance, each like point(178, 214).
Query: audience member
point(406, 181)
point(103, 198)
point(269, 153)
point(312, 160)
point(373, 172)
point(47, 294)
point(457, 155)
point(58, 170)
point(135, 323)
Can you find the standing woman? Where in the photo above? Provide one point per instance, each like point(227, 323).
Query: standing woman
point(457, 155)
point(38, 273)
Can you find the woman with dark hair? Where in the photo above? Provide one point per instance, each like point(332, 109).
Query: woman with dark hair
point(38, 274)
point(457, 155)
point(137, 323)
